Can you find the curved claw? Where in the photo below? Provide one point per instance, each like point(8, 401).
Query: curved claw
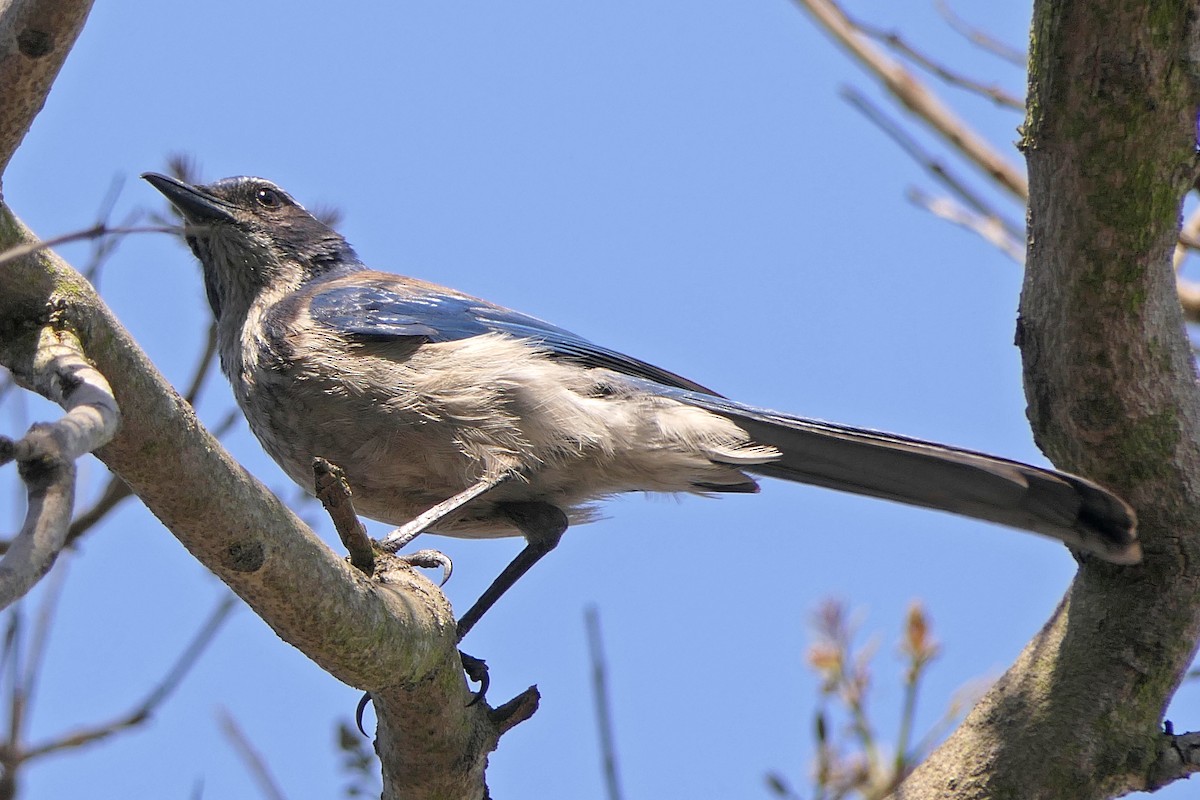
point(477, 672)
point(430, 559)
point(358, 712)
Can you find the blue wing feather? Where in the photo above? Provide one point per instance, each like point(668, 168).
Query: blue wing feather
point(381, 313)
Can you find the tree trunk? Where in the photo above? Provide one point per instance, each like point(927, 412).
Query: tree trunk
point(1110, 140)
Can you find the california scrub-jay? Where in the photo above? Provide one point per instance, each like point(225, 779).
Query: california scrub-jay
point(454, 415)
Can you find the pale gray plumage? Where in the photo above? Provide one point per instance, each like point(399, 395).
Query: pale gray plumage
point(504, 424)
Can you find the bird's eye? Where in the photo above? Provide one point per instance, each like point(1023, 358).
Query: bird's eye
point(268, 198)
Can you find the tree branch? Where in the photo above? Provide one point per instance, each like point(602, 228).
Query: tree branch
point(987, 227)
point(603, 705)
point(916, 97)
point(46, 455)
point(35, 37)
point(334, 493)
point(897, 44)
point(1110, 143)
point(155, 698)
point(1178, 758)
point(255, 764)
point(980, 38)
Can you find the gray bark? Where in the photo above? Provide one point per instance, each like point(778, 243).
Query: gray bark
point(1110, 142)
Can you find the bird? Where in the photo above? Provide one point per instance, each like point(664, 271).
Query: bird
point(457, 416)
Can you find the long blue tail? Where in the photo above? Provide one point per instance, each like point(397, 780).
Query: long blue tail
point(1066, 507)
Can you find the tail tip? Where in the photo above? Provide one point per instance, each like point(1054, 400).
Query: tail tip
point(1109, 528)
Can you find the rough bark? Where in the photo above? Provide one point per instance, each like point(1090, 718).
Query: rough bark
point(1110, 141)
point(35, 37)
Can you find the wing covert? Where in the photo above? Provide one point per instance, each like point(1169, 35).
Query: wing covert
point(380, 313)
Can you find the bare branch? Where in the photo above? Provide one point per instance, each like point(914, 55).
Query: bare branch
point(918, 99)
point(116, 489)
point(333, 491)
point(155, 698)
point(104, 246)
point(255, 763)
point(608, 747)
point(508, 715)
point(1105, 361)
point(927, 161)
point(392, 635)
point(1189, 298)
point(988, 228)
point(897, 44)
point(980, 38)
point(35, 37)
point(96, 231)
point(1178, 757)
point(32, 669)
point(46, 456)
point(114, 492)
point(1189, 239)
point(203, 366)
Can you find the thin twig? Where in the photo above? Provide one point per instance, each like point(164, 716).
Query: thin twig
point(920, 649)
point(114, 492)
point(980, 38)
point(1189, 298)
point(608, 748)
point(897, 44)
point(926, 160)
point(203, 366)
point(46, 614)
point(104, 246)
point(95, 231)
point(963, 699)
point(988, 228)
point(908, 716)
point(253, 760)
point(24, 676)
point(10, 760)
point(1189, 239)
point(225, 425)
point(917, 98)
point(779, 785)
point(333, 491)
point(161, 691)
point(14, 652)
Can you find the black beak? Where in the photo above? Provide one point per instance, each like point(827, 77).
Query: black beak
point(196, 206)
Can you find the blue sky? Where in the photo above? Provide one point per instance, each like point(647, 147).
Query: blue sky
point(676, 180)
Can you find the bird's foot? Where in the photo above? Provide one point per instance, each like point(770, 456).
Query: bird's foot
point(429, 559)
point(477, 672)
point(358, 712)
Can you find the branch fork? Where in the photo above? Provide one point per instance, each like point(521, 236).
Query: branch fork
point(47, 453)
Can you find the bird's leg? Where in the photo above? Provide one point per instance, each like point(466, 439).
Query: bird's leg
point(414, 527)
point(476, 669)
point(542, 525)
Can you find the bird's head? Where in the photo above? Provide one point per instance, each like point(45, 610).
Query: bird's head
point(252, 238)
